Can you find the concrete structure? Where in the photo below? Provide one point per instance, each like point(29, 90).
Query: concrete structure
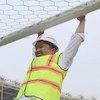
point(8, 89)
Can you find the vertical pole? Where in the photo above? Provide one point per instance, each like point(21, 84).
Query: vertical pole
point(1, 92)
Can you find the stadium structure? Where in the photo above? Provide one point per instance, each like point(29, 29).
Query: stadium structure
point(9, 90)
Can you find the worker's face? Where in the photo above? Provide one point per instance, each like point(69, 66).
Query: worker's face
point(42, 48)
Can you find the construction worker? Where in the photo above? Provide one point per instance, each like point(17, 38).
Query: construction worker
point(47, 70)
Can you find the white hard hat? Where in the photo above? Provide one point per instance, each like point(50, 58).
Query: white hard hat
point(48, 38)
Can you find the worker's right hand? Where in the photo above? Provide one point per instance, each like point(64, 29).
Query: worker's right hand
point(40, 33)
point(81, 18)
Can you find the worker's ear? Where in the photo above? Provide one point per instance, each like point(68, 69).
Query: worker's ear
point(53, 50)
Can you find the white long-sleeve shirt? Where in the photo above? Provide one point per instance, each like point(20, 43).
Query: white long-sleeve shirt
point(69, 53)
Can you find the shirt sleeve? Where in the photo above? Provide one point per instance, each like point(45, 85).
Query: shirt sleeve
point(66, 58)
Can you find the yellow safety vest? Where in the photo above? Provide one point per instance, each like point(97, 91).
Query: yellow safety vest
point(43, 79)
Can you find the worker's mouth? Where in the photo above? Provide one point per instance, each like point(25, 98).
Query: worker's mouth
point(38, 53)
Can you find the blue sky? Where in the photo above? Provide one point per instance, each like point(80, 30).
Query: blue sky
point(84, 74)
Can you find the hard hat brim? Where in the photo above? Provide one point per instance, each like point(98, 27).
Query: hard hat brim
point(34, 43)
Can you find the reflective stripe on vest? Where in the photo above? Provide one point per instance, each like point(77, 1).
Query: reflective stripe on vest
point(36, 68)
point(43, 79)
